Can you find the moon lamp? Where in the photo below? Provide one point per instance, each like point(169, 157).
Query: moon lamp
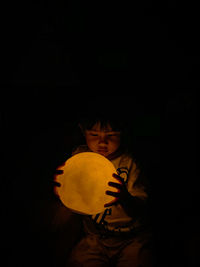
point(84, 181)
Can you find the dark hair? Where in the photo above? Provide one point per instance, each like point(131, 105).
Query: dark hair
point(88, 122)
point(116, 122)
point(106, 109)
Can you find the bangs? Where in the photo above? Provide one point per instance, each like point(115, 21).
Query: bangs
point(105, 123)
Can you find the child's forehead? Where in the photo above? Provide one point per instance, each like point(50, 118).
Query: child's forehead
point(98, 126)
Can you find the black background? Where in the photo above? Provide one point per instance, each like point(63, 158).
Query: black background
point(61, 59)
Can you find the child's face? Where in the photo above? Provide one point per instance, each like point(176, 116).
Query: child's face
point(103, 141)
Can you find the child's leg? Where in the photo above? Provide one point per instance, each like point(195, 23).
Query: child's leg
point(137, 254)
point(88, 253)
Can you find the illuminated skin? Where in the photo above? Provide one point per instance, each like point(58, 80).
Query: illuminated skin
point(103, 141)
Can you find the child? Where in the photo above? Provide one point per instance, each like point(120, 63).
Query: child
point(120, 235)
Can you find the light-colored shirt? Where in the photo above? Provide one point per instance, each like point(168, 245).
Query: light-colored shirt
point(115, 218)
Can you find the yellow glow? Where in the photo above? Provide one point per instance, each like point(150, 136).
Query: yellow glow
point(84, 182)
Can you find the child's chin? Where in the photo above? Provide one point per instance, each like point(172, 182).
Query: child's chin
point(105, 154)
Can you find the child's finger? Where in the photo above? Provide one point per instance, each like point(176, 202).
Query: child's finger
point(116, 185)
point(110, 193)
point(56, 184)
point(120, 179)
point(59, 171)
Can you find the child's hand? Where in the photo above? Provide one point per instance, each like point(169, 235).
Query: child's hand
point(122, 195)
point(55, 183)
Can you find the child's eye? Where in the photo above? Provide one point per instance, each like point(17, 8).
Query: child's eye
point(113, 134)
point(93, 134)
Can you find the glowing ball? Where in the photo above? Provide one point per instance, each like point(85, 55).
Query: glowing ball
point(84, 182)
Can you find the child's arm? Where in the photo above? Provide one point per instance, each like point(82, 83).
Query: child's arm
point(133, 205)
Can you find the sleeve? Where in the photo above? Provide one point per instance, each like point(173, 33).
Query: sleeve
point(137, 182)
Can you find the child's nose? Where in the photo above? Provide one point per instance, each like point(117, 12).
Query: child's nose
point(103, 140)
